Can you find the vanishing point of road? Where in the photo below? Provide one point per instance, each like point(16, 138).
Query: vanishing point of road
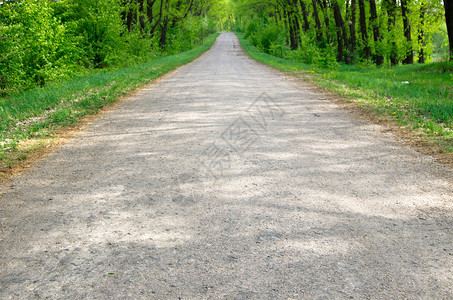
point(229, 180)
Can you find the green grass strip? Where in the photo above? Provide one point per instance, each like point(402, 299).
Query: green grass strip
point(418, 96)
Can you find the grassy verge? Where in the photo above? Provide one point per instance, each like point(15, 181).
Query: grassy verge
point(416, 96)
point(29, 118)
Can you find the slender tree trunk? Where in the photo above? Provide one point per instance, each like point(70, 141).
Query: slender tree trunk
point(286, 25)
point(448, 4)
point(296, 28)
point(163, 33)
point(153, 27)
point(303, 7)
point(363, 30)
point(149, 10)
point(317, 21)
point(290, 25)
point(407, 33)
point(341, 32)
point(128, 15)
point(379, 59)
point(125, 11)
point(351, 23)
point(293, 31)
point(141, 12)
point(325, 11)
point(421, 35)
point(391, 12)
point(294, 19)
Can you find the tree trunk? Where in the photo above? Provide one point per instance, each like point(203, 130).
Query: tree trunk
point(421, 35)
point(352, 27)
point(163, 33)
point(326, 19)
point(292, 33)
point(303, 7)
point(317, 21)
point(363, 30)
point(149, 10)
point(294, 18)
point(292, 39)
point(296, 29)
point(448, 4)
point(407, 33)
point(286, 24)
point(129, 16)
point(378, 58)
point(141, 14)
point(153, 27)
point(391, 12)
point(341, 32)
point(293, 26)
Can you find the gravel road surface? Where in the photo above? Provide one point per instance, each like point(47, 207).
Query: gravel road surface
point(229, 180)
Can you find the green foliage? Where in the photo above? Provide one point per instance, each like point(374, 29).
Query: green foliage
point(333, 25)
point(99, 27)
point(191, 31)
point(309, 53)
point(267, 37)
point(271, 39)
point(35, 47)
point(43, 41)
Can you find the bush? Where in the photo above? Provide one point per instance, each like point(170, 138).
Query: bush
point(268, 38)
point(309, 53)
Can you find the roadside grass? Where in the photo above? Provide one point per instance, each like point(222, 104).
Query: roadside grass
point(417, 96)
point(28, 118)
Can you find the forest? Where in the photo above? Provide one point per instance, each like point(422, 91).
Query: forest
point(366, 32)
point(43, 41)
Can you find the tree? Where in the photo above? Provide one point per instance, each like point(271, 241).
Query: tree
point(378, 57)
point(352, 24)
point(382, 33)
point(409, 54)
point(421, 35)
point(391, 22)
point(325, 10)
point(448, 4)
point(364, 30)
point(46, 40)
point(317, 21)
point(303, 7)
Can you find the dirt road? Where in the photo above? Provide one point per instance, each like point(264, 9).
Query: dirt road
point(227, 179)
